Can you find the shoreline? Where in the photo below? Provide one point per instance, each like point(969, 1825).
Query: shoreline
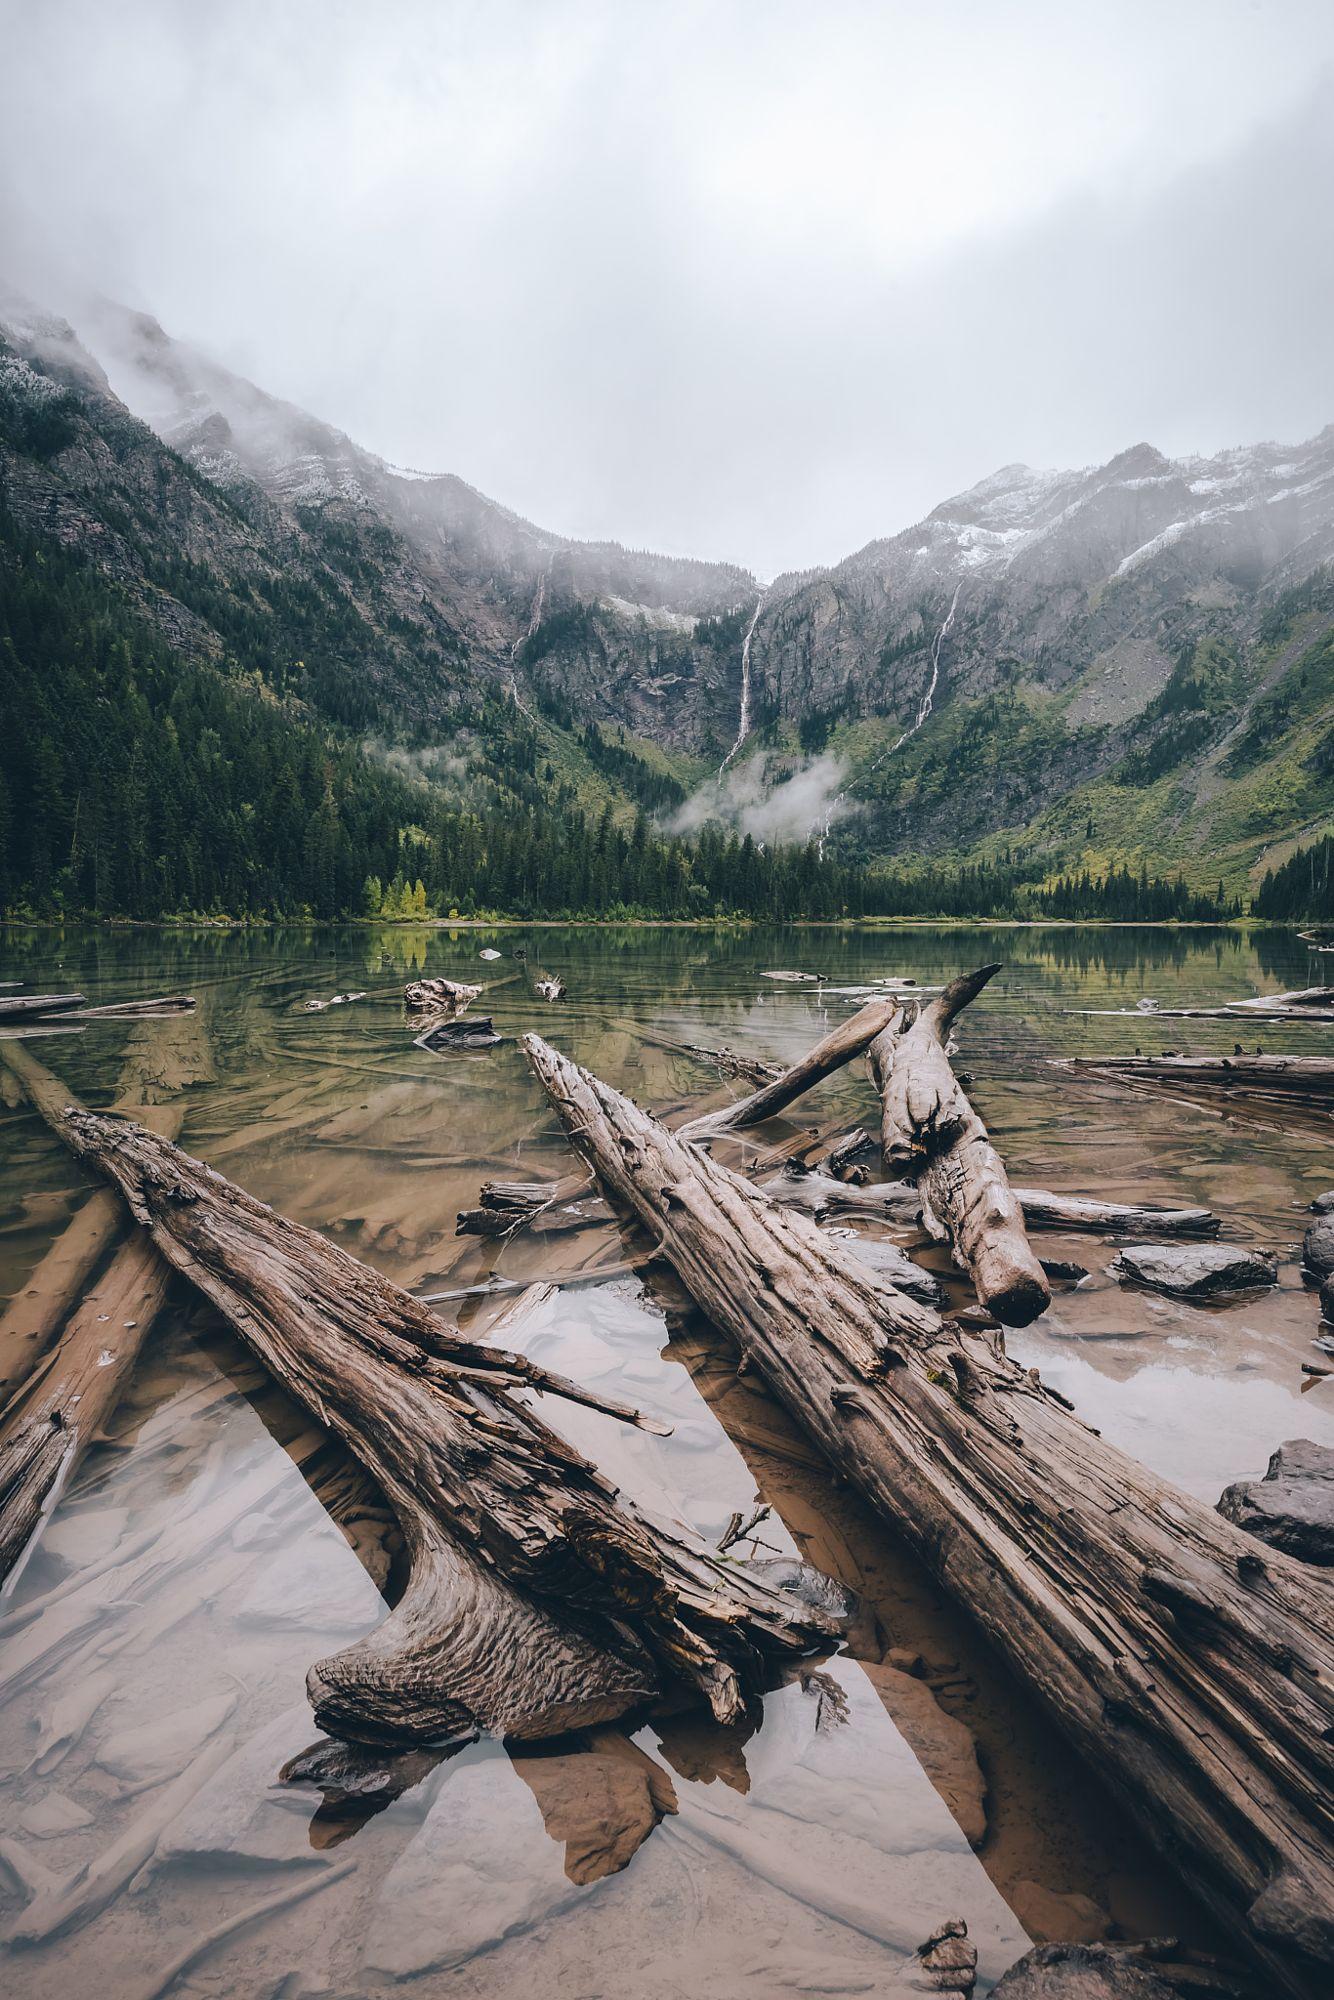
point(231, 924)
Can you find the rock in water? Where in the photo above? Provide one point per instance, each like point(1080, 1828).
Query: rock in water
point(1323, 1203)
point(1196, 1270)
point(1318, 1246)
point(1292, 1507)
point(1080, 1972)
point(474, 1031)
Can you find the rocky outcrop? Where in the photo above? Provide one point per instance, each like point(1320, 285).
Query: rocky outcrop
point(1292, 1507)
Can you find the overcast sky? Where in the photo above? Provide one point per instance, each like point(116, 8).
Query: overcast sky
point(751, 280)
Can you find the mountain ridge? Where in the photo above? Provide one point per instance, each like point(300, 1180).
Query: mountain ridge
point(1091, 611)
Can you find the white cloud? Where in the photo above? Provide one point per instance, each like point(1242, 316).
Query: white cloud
point(758, 281)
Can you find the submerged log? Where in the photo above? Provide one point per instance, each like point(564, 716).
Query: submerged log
point(163, 1007)
point(538, 1601)
point(1303, 1080)
point(930, 1130)
point(1195, 1673)
point(48, 1426)
point(13, 1006)
point(57, 1397)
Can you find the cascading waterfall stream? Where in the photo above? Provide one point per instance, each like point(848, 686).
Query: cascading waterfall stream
point(743, 727)
point(923, 711)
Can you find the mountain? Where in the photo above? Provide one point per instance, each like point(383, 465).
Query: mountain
point(1126, 664)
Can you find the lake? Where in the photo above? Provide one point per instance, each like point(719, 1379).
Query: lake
point(153, 1652)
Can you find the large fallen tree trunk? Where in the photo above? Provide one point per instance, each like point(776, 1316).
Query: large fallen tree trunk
point(538, 1601)
point(1192, 1668)
point(930, 1131)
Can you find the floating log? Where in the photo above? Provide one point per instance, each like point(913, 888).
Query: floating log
point(12, 1006)
point(1194, 1672)
point(930, 1130)
point(435, 995)
point(334, 1000)
point(550, 988)
point(538, 1601)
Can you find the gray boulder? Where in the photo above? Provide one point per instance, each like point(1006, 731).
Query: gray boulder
point(1196, 1270)
point(1081, 1972)
point(1318, 1246)
point(1292, 1507)
point(1323, 1203)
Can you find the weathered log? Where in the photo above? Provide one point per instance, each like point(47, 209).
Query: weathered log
point(1045, 1210)
point(435, 995)
point(537, 1600)
point(12, 1006)
point(930, 1130)
point(839, 1046)
point(1196, 1674)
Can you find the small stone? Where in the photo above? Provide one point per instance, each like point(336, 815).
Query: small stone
point(52, 1815)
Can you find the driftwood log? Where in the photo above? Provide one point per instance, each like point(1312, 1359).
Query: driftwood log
point(1193, 1669)
point(437, 996)
point(930, 1131)
point(901, 1202)
point(538, 1601)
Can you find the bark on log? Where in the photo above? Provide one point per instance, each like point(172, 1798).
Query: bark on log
point(930, 1130)
point(1196, 1673)
point(537, 1600)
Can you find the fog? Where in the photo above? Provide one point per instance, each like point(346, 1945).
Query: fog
point(752, 281)
point(769, 799)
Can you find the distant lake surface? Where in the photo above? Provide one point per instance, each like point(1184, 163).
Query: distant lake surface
point(214, 1545)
